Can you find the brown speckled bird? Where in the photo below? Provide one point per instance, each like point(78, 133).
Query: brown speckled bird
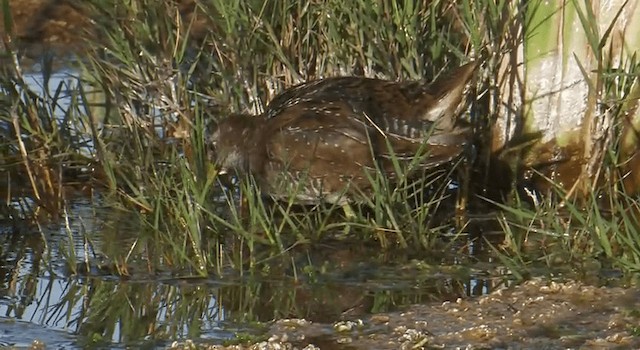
point(318, 139)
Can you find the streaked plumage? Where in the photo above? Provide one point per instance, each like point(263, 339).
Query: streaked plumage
point(319, 138)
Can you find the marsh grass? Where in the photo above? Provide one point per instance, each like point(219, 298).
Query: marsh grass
point(571, 235)
point(32, 135)
point(152, 74)
point(149, 90)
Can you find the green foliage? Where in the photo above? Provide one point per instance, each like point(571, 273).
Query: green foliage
point(163, 87)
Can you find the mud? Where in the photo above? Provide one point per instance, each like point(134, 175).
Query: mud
point(63, 25)
point(537, 314)
point(46, 23)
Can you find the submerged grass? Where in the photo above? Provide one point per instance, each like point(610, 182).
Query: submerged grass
point(152, 83)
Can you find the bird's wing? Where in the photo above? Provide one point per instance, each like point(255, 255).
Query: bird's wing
point(320, 141)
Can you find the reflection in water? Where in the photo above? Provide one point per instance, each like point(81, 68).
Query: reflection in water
point(39, 286)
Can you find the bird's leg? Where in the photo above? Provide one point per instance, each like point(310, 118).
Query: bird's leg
point(350, 217)
point(349, 214)
point(244, 204)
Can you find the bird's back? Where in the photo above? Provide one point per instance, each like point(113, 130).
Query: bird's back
point(326, 138)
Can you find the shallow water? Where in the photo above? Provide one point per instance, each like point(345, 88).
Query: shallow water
point(42, 299)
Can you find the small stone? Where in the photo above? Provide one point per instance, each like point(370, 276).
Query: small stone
point(344, 340)
point(619, 338)
point(378, 319)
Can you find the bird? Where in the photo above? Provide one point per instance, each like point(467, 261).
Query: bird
point(323, 141)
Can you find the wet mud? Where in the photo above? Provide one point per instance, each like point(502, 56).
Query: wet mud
point(535, 315)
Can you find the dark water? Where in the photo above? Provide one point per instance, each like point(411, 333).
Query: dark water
point(69, 307)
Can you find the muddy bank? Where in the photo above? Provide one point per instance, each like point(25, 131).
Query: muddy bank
point(535, 315)
point(63, 25)
point(47, 23)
